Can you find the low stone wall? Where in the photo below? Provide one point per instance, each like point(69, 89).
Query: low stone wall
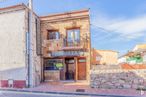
point(118, 79)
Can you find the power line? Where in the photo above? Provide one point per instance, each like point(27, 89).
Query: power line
point(109, 37)
point(102, 36)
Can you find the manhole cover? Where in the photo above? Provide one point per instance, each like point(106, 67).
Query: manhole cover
point(80, 90)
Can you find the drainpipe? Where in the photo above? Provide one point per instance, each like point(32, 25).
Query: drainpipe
point(30, 48)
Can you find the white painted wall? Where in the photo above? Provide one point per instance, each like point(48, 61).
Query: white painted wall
point(144, 58)
point(12, 49)
point(122, 60)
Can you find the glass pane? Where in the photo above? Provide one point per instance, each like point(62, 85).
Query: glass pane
point(82, 60)
point(57, 36)
point(73, 37)
point(54, 35)
point(77, 35)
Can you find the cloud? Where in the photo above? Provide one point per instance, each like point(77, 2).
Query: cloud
point(128, 29)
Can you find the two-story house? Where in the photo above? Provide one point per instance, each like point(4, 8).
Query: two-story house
point(66, 46)
point(54, 47)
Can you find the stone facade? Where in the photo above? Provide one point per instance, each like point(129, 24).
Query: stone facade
point(62, 22)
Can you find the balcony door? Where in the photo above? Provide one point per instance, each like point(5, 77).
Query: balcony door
point(73, 37)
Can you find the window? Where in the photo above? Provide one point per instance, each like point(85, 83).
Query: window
point(53, 34)
point(73, 37)
point(98, 58)
point(53, 64)
point(82, 60)
point(70, 61)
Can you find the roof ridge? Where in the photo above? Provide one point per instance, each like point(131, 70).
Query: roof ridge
point(64, 13)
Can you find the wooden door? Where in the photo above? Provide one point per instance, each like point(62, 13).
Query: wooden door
point(81, 69)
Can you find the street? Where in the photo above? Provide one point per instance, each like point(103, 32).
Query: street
point(28, 94)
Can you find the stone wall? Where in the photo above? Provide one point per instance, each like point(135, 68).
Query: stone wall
point(118, 79)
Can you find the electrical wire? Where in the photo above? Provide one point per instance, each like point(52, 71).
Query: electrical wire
point(109, 35)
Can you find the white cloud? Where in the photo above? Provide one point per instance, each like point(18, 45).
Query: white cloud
point(126, 28)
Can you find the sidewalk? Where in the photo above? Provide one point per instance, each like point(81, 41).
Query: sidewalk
point(71, 89)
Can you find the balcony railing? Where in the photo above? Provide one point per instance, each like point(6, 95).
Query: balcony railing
point(74, 45)
point(64, 45)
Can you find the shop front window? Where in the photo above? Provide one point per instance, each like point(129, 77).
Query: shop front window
point(53, 65)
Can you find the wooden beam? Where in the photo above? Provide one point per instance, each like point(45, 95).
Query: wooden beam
point(76, 68)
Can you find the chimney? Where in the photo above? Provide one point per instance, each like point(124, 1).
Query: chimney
point(31, 4)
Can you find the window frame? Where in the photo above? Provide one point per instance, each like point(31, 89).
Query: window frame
point(73, 30)
point(53, 31)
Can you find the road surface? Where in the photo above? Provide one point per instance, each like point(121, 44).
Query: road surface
point(28, 94)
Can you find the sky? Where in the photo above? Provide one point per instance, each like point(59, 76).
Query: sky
point(115, 24)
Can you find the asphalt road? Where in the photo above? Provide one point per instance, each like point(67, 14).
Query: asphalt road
point(28, 94)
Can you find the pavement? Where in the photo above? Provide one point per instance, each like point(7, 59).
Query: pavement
point(73, 87)
point(69, 90)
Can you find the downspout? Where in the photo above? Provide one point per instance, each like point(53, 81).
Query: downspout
point(30, 57)
point(28, 51)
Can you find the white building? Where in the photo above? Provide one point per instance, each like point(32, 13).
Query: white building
point(17, 69)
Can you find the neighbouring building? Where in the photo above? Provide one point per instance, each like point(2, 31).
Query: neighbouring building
point(17, 69)
point(104, 57)
point(136, 56)
point(134, 59)
point(141, 49)
point(122, 59)
point(66, 46)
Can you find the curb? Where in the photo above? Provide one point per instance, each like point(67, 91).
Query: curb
point(64, 93)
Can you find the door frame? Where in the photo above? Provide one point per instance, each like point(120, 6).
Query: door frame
point(66, 66)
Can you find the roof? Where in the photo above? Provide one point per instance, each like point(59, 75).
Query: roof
point(95, 52)
point(140, 47)
point(107, 51)
point(15, 7)
point(66, 15)
point(137, 49)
